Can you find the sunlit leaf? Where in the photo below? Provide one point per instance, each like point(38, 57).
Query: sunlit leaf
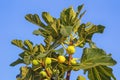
point(71, 13)
point(94, 29)
point(88, 24)
point(35, 48)
point(17, 43)
point(76, 26)
point(42, 49)
point(81, 78)
point(54, 27)
point(47, 17)
point(68, 16)
point(86, 32)
point(26, 73)
point(48, 41)
point(35, 20)
point(96, 56)
point(29, 44)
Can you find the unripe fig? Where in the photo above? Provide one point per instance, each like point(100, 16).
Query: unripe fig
point(61, 59)
point(35, 62)
point(48, 60)
point(70, 49)
point(43, 74)
point(73, 61)
point(81, 78)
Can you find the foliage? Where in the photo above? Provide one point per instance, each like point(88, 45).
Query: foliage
point(42, 62)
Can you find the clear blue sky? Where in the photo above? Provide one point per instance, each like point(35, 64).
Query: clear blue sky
point(14, 26)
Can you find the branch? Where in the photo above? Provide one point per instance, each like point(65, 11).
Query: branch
point(70, 57)
point(43, 65)
point(69, 72)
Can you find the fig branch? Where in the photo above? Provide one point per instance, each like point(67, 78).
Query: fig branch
point(43, 65)
point(69, 72)
point(70, 58)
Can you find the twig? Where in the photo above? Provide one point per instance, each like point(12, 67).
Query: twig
point(43, 65)
point(69, 72)
point(70, 57)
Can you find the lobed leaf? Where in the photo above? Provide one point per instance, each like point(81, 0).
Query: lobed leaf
point(96, 57)
point(93, 57)
point(95, 62)
point(68, 17)
point(35, 20)
point(94, 29)
point(85, 32)
point(100, 73)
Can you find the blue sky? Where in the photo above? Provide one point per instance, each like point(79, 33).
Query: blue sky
point(14, 26)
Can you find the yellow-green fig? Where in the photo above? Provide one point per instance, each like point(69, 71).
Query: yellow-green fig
point(81, 78)
point(45, 79)
point(35, 62)
point(73, 61)
point(61, 59)
point(43, 74)
point(70, 49)
point(48, 60)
